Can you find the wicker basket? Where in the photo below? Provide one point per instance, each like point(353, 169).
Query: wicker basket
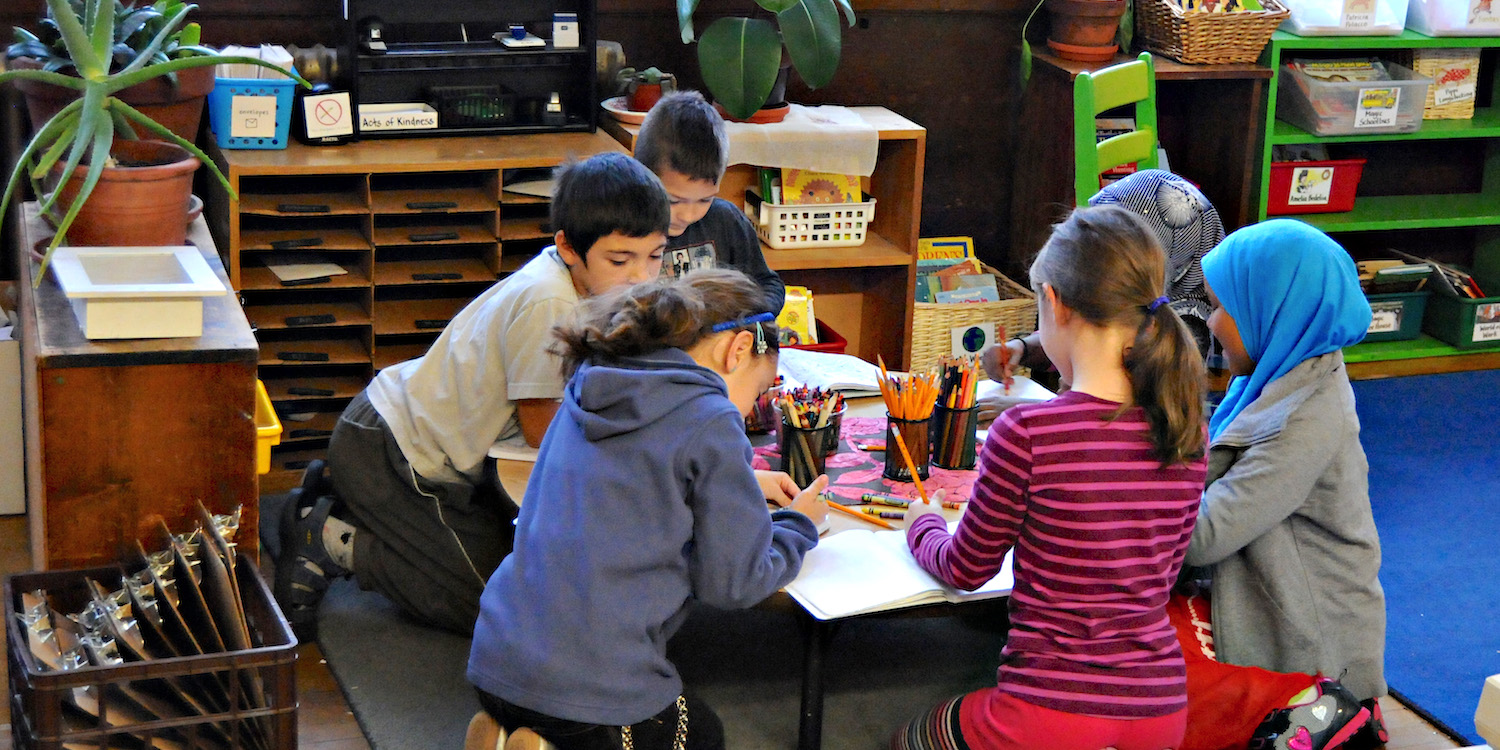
point(1207, 38)
point(1440, 65)
point(933, 323)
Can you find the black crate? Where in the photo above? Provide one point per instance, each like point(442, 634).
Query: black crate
point(37, 697)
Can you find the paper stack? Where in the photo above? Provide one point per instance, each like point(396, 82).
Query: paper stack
point(271, 53)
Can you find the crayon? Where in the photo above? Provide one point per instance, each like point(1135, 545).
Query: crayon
point(896, 514)
point(847, 511)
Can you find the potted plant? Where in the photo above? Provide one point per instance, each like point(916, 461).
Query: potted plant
point(1081, 30)
point(740, 58)
point(96, 132)
point(643, 88)
point(174, 100)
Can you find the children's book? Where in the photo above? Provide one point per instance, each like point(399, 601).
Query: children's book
point(840, 372)
point(858, 571)
point(797, 321)
point(803, 187)
point(949, 249)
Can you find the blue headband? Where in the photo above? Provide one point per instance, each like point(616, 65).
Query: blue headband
point(753, 320)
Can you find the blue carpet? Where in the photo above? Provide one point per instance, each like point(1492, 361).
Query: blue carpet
point(1435, 489)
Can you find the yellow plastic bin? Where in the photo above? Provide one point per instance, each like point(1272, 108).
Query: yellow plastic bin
point(267, 429)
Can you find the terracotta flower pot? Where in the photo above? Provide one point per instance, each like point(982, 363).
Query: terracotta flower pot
point(1087, 24)
point(144, 202)
point(179, 108)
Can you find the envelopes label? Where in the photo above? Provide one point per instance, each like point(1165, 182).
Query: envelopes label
point(252, 117)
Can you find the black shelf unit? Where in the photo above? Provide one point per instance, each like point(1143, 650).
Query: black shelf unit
point(433, 50)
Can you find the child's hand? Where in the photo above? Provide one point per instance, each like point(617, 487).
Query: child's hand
point(777, 486)
point(809, 502)
point(917, 509)
point(1001, 360)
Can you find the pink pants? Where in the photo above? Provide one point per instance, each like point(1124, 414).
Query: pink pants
point(992, 720)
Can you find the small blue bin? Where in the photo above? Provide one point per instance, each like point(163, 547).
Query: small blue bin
point(221, 110)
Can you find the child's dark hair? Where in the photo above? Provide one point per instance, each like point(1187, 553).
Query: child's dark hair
point(642, 318)
point(1106, 264)
point(604, 194)
point(686, 133)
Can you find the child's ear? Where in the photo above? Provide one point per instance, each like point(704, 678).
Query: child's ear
point(738, 350)
point(565, 250)
point(1060, 312)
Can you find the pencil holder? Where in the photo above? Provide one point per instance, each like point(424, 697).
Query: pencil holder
point(953, 436)
point(805, 450)
point(916, 433)
point(764, 415)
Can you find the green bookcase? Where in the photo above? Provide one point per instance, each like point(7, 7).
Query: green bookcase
point(1478, 210)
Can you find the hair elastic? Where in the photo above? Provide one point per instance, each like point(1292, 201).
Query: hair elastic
point(1158, 302)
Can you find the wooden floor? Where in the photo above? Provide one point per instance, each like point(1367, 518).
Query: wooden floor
point(325, 723)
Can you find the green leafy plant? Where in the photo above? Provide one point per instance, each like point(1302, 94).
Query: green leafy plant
point(104, 63)
point(740, 57)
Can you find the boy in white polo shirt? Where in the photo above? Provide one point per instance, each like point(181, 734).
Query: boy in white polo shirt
point(416, 519)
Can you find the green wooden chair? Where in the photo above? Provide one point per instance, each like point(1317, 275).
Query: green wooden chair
point(1102, 90)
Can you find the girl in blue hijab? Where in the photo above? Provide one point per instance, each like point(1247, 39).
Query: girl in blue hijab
point(1285, 531)
point(1292, 294)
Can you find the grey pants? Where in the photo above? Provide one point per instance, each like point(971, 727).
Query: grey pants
point(428, 546)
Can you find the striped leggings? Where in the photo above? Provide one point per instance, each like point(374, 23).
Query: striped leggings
point(1003, 722)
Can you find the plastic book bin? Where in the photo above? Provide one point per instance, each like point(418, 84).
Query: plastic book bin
point(1396, 317)
point(1346, 17)
point(1313, 187)
point(267, 429)
point(1451, 18)
point(221, 109)
point(787, 227)
point(1323, 107)
point(829, 340)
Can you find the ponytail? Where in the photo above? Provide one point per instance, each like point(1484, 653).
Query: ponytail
point(1106, 264)
point(1167, 379)
point(635, 320)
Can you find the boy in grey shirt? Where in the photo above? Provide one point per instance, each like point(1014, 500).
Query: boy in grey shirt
point(415, 517)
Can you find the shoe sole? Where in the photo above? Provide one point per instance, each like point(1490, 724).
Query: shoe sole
point(286, 567)
point(1302, 716)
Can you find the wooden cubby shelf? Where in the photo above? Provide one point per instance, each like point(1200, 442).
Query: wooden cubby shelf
point(864, 292)
point(364, 201)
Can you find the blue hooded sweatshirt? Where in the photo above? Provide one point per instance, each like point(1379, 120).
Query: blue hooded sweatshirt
point(642, 501)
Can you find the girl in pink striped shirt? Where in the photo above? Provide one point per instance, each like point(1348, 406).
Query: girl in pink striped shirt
point(1096, 491)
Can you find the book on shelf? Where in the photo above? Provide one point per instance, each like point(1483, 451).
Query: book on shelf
point(805, 187)
point(840, 372)
point(861, 571)
point(797, 321)
point(948, 249)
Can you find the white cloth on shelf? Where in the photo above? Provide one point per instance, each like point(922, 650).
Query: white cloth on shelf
point(827, 138)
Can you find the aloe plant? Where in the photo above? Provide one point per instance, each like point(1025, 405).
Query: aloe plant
point(85, 129)
point(739, 57)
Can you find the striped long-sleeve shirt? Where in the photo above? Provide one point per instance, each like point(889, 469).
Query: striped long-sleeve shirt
point(1099, 530)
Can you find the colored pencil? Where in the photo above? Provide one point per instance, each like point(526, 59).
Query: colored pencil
point(912, 467)
point(850, 512)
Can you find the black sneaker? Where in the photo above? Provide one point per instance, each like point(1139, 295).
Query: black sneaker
point(315, 484)
point(304, 569)
point(1324, 724)
point(1372, 735)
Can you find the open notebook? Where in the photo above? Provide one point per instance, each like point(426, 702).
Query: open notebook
point(857, 572)
point(840, 372)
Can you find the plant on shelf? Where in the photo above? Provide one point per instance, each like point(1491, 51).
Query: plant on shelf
point(1081, 30)
point(95, 42)
point(740, 57)
point(642, 88)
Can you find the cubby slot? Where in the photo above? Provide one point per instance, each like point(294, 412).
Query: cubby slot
point(445, 229)
point(256, 276)
point(312, 195)
point(416, 315)
point(290, 349)
point(438, 264)
point(314, 388)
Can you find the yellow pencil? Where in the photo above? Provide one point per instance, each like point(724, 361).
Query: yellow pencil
point(911, 467)
point(872, 519)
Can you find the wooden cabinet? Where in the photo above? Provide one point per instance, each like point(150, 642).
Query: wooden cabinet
point(1208, 120)
point(122, 433)
point(418, 227)
point(865, 292)
point(1435, 192)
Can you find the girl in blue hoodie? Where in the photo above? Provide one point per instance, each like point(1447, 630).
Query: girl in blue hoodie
point(642, 502)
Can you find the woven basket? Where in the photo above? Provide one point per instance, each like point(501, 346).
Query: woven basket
point(1207, 38)
point(1435, 63)
point(933, 323)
